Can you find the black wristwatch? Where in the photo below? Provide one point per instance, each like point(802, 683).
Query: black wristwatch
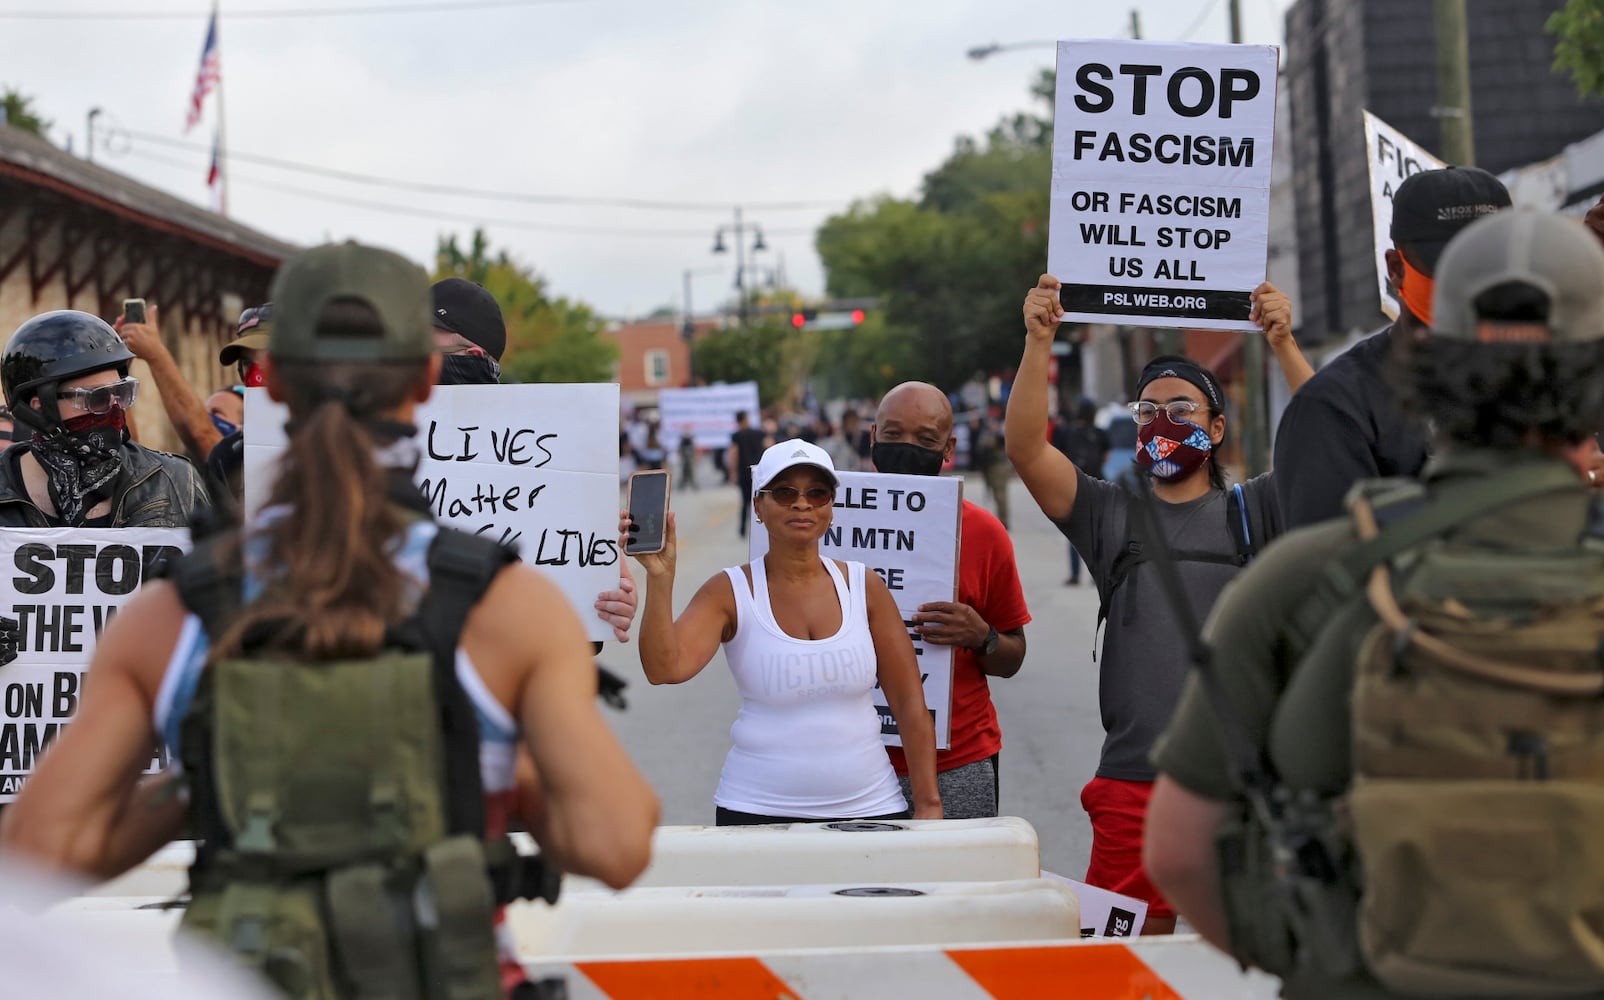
point(990, 645)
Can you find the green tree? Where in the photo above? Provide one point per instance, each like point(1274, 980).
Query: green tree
point(548, 339)
point(951, 267)
point(20, 112)
point(761, 353)
point(1578, 29)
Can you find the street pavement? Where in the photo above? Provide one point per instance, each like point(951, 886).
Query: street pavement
point(679, 734)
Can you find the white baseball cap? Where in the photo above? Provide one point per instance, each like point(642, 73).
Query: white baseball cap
point(788, 455)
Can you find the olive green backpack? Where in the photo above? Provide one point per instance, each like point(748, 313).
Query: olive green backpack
point(338, 805)
point(1477, 802)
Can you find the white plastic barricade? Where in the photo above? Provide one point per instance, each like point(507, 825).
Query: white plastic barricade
point(681, 920)
point(952, 850)
point(956, 850)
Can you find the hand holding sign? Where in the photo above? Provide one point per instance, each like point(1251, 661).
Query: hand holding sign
point(1042, 311)
point(948, 623)
point(617, 607)
point(1272, 311)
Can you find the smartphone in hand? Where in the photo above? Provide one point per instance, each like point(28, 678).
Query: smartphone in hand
point(648, 512)
point(133, 310)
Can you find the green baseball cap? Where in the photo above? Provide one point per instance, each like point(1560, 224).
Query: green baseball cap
point(396, 289)
point(1556, 257)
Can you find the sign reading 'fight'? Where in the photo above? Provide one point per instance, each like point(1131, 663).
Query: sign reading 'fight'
point(906, 529)
point(1161, 181)
point(60, 587)
point(1394, 158)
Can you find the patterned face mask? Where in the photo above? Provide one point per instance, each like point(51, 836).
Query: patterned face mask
point(81, 464)
point(1172, 449)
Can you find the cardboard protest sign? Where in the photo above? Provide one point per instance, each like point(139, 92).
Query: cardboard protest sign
point(706, 412)
point(1104, 913)
point(61, 587)
point(905, 528)
point(1161, 181)
point(1393, 157)
point(535, 465)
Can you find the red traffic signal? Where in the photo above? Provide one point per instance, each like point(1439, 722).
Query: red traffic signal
point(798, 320)
point(857, 316)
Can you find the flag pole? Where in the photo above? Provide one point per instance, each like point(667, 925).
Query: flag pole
point(222, 117)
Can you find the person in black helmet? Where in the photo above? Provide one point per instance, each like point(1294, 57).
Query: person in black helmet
point(65, 376)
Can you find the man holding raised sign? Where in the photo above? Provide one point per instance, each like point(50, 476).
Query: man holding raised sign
point(985, 626)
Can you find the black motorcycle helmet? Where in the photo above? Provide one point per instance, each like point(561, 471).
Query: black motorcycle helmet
point(52, 348)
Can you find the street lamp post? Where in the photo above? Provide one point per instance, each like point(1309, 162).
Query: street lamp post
point(980, 52)
point(739, 230)
point(688, 327)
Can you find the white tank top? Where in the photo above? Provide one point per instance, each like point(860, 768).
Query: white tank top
point(807, 740)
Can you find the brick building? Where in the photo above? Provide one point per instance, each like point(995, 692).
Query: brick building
point(1346, 56)
point(74, 235)
point(653, 355)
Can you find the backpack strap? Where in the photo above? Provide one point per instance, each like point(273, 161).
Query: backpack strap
point(461, 568)
point(1416, 523)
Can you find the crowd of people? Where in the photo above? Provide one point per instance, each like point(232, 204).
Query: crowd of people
point(257, 656)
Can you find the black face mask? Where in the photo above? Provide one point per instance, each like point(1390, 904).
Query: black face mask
point(469, 369)
point(904, 458)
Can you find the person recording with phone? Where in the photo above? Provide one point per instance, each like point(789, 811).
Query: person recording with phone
point(807, 639)
point(65, 375)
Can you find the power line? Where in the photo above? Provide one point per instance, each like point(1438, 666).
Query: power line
point(483, 193)
point(267, 13)
point(458, 217)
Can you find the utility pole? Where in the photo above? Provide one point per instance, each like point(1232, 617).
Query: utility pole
point(1453, 82)
point(740, 265)
point(1136, 23)
point(1256, 415)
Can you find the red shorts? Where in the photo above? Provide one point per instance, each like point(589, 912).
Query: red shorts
point(1118, 810)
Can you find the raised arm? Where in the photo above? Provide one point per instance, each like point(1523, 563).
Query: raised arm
point(672, 652)
point(1272, 311)
point(1046, 472)
point(184, 408)
point(898, 672)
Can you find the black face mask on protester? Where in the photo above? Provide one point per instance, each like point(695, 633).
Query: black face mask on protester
point(469, 369)
point(906, 459)
point(81, 462)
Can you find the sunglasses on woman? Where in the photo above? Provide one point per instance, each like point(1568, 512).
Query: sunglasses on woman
point(816, 496)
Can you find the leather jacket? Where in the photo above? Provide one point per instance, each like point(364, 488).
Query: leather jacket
point(153, 490)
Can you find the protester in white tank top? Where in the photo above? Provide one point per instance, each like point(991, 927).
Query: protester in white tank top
point(807, 639)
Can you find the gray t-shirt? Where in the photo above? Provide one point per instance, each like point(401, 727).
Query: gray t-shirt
point(1143, 662)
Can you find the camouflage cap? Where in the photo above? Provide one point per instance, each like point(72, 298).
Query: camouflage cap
point(1558, 258)
point(395, 288)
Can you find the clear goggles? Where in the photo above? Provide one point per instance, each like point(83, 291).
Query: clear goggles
point(1177, 410)
point(102, 398)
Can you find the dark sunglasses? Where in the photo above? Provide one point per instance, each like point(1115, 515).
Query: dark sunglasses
point(816, 496)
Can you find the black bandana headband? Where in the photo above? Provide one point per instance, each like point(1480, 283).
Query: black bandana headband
point(1187, 371)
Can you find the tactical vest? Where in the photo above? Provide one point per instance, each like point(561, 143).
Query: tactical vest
point(338, 806)
point(1466, 858)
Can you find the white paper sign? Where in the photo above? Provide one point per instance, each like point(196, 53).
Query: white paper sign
point(536, 465)
point(61, 587)
point(706, 412)
point(1104, 913)
point(906, 528)
point(1161, 181)
point(1393, 156)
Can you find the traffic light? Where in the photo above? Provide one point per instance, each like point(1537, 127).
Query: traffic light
point(801, 319)
point(826, 319)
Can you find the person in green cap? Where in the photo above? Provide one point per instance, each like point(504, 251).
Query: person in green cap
point(1382, 779)
point(346, 684)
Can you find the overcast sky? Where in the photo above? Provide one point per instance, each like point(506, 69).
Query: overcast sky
point(716, 102)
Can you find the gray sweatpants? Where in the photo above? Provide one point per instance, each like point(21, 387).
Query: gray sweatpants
point(967, 792)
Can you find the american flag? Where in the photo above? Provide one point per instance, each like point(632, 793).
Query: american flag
point(214, 176)
point(210, 73)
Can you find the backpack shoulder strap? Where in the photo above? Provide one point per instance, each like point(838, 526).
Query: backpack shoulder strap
point(1406, 518)
point(461, 568)
point(1241, 528)
point(210, 579)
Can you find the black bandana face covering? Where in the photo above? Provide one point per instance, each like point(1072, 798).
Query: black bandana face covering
point(469, 369)
point(81, 463)
point(904, 458)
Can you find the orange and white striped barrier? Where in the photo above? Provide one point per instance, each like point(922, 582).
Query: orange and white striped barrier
point(1144, 969)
